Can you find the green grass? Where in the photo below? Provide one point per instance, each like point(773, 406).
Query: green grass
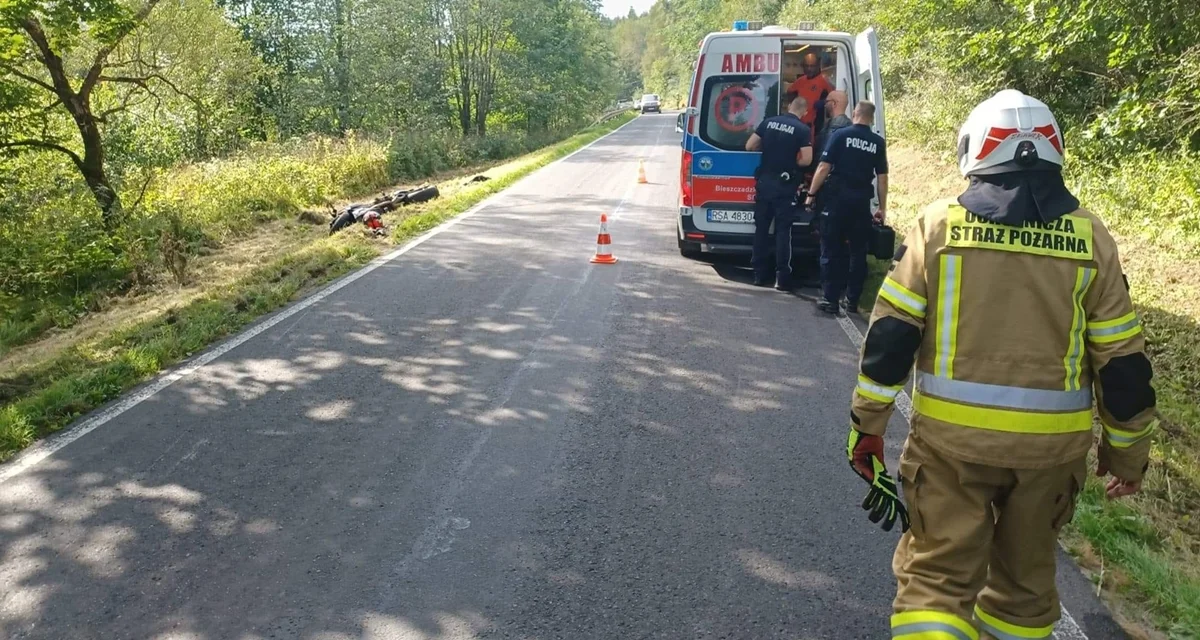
point(45, 399)
point(269, 181)
point(1129, 553)
point(16, 330)
point(48, 397)
point(58, 263)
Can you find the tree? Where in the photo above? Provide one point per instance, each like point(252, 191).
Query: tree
point(475, 31)
point(211, 71)
point(398, 78)
point(278, 32)
point(629, 40)
point(44, 39)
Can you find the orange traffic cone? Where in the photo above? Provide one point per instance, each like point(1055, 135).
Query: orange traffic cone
point(642, 172)
point(603, 241)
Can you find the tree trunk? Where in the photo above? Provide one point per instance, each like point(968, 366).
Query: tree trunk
point(91, 165)
point(464, 108)
point(459, 49)
point(106, 196)
point(481, 111)
point(342, 72)
point(201, 130)
point(78, 104)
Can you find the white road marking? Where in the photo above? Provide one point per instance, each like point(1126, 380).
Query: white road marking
point(46, 448)
point(1067, 628)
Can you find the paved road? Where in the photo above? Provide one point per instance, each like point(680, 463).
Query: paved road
point(485, 437)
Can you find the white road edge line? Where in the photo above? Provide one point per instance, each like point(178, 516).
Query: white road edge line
point(1067, 628)
point(46, 448)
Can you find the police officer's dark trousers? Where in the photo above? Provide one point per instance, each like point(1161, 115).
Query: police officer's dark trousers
point(845, 238)
point(773, 202)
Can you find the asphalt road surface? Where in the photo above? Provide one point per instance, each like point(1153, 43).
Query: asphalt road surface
point(484, 437)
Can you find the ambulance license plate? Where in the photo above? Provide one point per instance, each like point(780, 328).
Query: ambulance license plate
point(731, 216)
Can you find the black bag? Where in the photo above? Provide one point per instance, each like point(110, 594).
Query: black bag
point(883, 241)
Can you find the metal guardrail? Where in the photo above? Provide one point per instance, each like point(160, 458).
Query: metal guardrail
point(609, 115)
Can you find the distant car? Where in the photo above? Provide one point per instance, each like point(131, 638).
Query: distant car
point(648, 103)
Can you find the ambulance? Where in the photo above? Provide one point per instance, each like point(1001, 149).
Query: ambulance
point(739, 79)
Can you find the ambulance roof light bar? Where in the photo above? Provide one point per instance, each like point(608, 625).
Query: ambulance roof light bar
point(747, 25)
point(806, 26)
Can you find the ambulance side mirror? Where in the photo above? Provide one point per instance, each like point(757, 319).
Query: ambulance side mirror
point(692, 111)
point(679, 122)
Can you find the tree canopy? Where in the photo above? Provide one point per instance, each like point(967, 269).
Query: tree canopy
point(116, 86)
point(1124, 73)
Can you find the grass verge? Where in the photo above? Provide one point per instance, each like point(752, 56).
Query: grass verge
point(1142, 552)
point(42, 399)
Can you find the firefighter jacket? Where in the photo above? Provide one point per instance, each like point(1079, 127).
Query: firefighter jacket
point(1015, 332)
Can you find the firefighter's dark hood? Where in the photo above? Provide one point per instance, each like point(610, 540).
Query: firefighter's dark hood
point(1019, 197)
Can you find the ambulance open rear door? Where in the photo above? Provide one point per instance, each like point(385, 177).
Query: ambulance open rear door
point(870, 83)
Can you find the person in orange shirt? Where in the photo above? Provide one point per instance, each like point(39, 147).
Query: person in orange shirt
point(812, 86)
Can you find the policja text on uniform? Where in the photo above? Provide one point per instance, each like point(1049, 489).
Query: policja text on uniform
point(786, 145)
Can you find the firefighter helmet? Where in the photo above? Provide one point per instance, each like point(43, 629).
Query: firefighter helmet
point(1010, 132)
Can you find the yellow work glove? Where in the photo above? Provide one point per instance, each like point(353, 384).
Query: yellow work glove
point(882, 503)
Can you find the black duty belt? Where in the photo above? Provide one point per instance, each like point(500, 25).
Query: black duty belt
point(786, 177)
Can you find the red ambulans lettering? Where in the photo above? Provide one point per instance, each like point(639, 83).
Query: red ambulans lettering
point(750, 63)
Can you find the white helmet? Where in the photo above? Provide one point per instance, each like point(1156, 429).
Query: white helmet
point(1009, 132)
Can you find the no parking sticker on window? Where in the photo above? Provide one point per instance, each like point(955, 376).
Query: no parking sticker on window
point(737, 110)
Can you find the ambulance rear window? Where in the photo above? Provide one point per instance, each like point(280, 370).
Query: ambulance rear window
point(734, 105)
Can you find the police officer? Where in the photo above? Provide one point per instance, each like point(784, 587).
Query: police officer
point(786, 145)
point(1011, 303)
point(854, 156)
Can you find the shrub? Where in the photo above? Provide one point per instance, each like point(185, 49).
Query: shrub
point(412, 156)
point(274, 180)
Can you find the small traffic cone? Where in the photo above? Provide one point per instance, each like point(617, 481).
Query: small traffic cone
point(603, 241)
point(642, 172)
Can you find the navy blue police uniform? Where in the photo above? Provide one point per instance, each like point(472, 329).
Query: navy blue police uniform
point(857, 154)
point(777, 178)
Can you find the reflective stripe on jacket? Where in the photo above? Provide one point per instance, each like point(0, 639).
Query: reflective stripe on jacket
point(1014, 332)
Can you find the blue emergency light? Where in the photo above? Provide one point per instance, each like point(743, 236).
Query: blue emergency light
point(741, 25)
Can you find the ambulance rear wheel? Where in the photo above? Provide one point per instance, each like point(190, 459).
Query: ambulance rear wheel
point(690, 250)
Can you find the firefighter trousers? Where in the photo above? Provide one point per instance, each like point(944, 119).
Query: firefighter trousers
point(979, 559)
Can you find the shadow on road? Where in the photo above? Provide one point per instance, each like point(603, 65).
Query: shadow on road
point(484, 439)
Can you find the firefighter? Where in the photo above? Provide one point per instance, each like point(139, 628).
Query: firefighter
point(786, 145)
point(1011, 303)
